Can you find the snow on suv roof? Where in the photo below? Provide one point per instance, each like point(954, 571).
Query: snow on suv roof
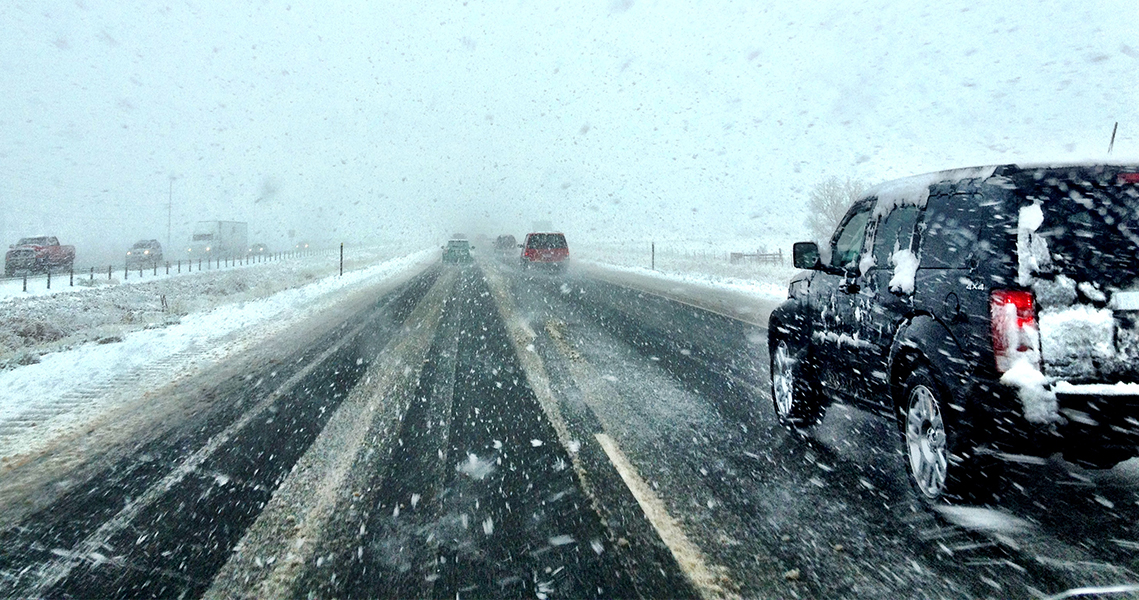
point(914, 190)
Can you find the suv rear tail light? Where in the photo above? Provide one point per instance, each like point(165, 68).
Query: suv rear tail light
point(1128, 178)
point(1014, 330)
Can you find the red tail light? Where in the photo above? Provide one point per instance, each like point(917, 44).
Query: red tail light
point(1013, 326)
point(1128, 178)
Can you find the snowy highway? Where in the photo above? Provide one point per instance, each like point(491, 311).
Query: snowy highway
point(484, 431)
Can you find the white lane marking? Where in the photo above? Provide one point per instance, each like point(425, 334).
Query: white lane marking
point(55, 571)
point(687, 554)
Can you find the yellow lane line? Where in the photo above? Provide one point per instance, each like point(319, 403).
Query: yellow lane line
point(687, 554)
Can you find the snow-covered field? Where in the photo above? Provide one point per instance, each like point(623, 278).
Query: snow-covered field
point(41, 321)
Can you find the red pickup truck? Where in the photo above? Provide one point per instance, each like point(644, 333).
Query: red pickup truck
point(37, 255)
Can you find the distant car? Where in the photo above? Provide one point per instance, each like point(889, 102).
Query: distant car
point(144, 253)
point(255, 249)
point(457, 251)
point(302, 246)
point(505, 243)
point(987, 312)
point(544, 250)
point(38, 255)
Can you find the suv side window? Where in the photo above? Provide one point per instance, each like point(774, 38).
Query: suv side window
point(895, 233)
point(955, 225)
point(848, 241)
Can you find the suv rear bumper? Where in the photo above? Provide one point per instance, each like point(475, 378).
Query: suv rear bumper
point(1107, 413)
point(1094, 416)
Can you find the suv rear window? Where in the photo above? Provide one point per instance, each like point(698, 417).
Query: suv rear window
point(546, 241)
point(1091, 225)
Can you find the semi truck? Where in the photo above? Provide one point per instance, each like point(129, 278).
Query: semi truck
point(219, 238)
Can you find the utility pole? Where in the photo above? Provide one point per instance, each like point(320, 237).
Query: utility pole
point(169, 209)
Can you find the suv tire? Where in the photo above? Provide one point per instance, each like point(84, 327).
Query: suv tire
point(798, 404)
point(942, 464)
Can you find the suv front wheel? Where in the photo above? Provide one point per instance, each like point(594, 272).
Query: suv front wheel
point(797, 403)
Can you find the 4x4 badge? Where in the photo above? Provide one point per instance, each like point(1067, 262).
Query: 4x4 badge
point(969, 285)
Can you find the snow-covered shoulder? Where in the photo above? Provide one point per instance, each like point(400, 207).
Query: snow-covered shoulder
point(750, 301)
point(768, 290)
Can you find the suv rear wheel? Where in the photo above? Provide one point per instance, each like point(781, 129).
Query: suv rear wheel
point(797, 403)
point(941, 462)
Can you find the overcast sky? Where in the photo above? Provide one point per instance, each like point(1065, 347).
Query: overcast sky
point(608, 118)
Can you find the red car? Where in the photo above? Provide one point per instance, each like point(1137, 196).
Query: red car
point(38, 255)
point(548, 249)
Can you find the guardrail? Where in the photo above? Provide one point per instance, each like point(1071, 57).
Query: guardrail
point(141, 271)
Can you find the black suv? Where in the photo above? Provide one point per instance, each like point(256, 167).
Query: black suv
point(991, 312)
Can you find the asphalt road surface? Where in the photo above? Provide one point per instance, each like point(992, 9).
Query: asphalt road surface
point(484, 431)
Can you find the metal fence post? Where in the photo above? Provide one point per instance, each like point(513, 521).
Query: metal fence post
point(341, 259)
point(71, 276)
point(109, 267)
point(92, 273)
point(654, 256)
point(126, 272)
point(25, 281)
point(49, 278)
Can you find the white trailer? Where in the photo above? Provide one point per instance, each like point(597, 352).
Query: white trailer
point(219, 238)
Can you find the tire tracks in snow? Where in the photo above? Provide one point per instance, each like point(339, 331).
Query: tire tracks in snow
point(274, 551)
